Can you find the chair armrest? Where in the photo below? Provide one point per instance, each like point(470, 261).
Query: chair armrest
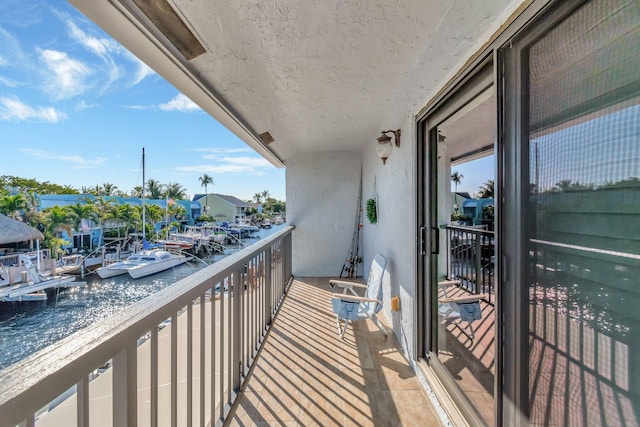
point(447, 283)
point(346, 284)
point(353, 298)
point(462, 299)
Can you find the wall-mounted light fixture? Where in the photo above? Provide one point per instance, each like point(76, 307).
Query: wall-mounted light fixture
point(385, 147)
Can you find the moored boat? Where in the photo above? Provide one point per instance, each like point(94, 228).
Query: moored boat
point(156, 262)
point(142, 264)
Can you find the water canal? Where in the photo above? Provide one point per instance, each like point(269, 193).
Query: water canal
point(28, 327)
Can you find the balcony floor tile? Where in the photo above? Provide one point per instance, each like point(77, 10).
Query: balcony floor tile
point(306, 375)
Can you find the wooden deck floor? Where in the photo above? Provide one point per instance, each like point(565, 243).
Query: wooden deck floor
point(306, 375)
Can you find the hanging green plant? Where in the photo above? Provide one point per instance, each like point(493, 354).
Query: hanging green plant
point(372, 211)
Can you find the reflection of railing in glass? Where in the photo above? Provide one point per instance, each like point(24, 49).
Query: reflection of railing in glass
point(471, 258)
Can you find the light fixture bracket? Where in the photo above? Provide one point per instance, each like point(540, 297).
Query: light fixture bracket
point(385, 137)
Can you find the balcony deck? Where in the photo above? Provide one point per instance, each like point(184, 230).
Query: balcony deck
point(306, 375)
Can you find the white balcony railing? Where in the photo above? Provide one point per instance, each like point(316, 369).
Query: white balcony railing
point(177, 357)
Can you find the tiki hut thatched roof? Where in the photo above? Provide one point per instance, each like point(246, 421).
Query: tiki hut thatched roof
point(12, 231)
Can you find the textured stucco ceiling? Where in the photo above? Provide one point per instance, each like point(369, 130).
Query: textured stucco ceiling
point(318, 75)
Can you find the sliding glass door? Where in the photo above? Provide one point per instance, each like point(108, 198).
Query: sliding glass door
point(572, 217)
point(460, 286)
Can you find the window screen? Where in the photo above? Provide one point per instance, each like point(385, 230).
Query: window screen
point(582, 216)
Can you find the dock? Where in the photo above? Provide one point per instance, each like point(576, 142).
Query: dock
point(34, 286)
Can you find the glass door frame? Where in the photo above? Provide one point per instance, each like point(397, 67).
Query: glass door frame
point(477, 81)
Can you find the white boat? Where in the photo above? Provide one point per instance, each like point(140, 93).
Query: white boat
point(142, 264)
point(155, 262)
point(266, 223)
point(119, 267)
point(244, 226)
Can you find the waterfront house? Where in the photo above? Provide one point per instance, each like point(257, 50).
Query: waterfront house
point(225, 207)
point(389, 95)
point(90, 235)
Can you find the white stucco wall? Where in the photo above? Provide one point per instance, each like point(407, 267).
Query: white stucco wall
point(394, 235)
point(322, 192)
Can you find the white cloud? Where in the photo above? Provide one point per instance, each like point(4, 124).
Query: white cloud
point(99, 46)
point(8, 82)
point(245, 165)
point(102, 47)
point(68, 77)
point(142, 69)
point(77, 161)
point(14, 109)
point(180, 103)
point(82, 105)
point(221, 150)
point(11, 50)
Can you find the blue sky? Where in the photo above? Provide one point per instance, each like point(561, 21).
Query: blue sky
point(76, 108)
point(474, 174)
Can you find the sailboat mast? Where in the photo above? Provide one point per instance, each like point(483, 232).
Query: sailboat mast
point(144, 219)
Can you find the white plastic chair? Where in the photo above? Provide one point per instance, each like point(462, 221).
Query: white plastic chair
point(351, 307)
point(459, 309)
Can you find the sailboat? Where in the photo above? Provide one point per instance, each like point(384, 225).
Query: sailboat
point(147, 261)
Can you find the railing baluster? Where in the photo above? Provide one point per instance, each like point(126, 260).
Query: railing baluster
point(235, 284)
point(241, 327)
point(471, 250)
point(260, 282)
point(234, 368)
point(153, 380)
point(174, 370)
point(202, 357)
point(221, 352)
point(82, 408)
point(212, 350)
point(267, 286)
point(254, 321)
point(190, 364)
point(125, 387)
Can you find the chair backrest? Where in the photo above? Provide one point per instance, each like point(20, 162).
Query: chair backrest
point(374, 283)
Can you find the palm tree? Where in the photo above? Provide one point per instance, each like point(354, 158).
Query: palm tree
point(137, 191)
point(96, 191)
point(32, 206)
point(58, 218)
point(456, 178)
point(154, 189)
point(486, 190)
point(176, 211)
point(108, 189)
point(205, 180)
point(563, 185)
point(257, 197)
point(81, 211)
point(129, 214)
point(175, 190)
point(265, 194)
point(13, 205)
point(154, 214)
